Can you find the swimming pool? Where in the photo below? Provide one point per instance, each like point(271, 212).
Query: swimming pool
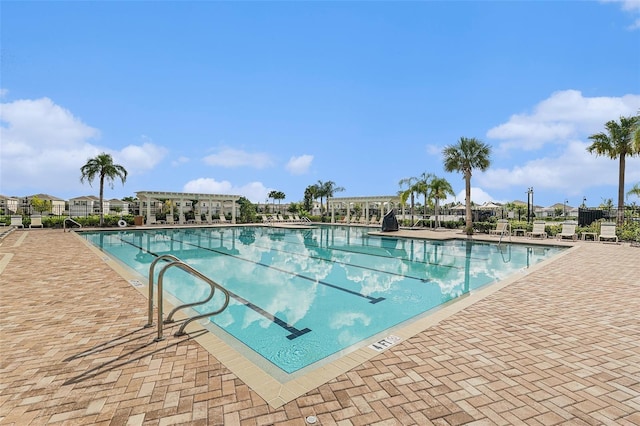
point(299, 296)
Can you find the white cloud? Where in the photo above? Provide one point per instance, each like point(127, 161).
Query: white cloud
point(478, 196)
point(44, 146)
point(572, 172)
point(140, 157)
point(565, 115)
point(255, 192)
point(631, 6)
point(299, 165)
point(179, 161)
point(230, 157)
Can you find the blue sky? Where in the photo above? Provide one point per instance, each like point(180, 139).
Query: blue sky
point(247, 97)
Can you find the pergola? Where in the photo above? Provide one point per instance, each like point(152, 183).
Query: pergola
point(384, 201)
point(182, 196)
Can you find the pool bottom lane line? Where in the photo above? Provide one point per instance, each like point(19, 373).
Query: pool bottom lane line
point(372, 300)
point(274, 319)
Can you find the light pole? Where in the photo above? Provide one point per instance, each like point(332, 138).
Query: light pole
point(564, 208)
point(529, 204)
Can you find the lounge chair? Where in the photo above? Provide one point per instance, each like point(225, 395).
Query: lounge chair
point(538, 229)
point(36, 221)
point(608, 232)
point(568, 231)
point(374, 221)
point(16, 220)
point(223, 219)
point(170, 220)
point(502, 228)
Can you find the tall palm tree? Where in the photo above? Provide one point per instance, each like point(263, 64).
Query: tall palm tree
point(439, 188)
point(635, 190)
point(422, 187)
point(618, 142)
point(103, 168)
point(326, 190)
point(463, 157)
point(408, 192)
point(279, 195)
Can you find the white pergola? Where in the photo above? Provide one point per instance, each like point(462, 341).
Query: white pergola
point(182, 196)
point(385, 202)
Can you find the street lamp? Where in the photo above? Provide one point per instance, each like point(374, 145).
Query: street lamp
point(584, 202)
point(564, 208)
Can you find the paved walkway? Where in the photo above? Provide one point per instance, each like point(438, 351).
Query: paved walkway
point(560, 345)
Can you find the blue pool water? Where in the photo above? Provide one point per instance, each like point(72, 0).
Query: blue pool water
point(301, 295)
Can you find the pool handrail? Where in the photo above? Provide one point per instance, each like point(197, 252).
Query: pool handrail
point(175, 262)
point(64, 224)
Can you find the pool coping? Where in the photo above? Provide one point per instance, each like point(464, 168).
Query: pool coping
point(278, 393)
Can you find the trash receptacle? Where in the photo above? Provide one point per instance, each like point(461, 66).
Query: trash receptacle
point(138, 220)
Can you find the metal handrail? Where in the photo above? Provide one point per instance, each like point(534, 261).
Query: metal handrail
point(151, 269)
point(175, 262)
point(64, 224)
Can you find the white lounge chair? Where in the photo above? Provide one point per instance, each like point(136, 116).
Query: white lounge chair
point(36, 221)
point(568, 231)
point(608, 232)
point(16, 220)
point(502, 228)
point(538, 229)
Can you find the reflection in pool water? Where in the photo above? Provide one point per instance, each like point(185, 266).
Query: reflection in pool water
point(300, 295)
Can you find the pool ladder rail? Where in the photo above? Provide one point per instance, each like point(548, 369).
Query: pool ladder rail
point(68, 219)
point(173, 261)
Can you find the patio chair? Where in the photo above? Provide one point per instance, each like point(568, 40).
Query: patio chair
point(538, 229)
point(36, 221)
point(502, 228)
point(568, 231)
point(16, 220)
point(608, 231)
point(223, 219)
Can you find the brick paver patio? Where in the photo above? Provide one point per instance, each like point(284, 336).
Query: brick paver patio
point(560, 345)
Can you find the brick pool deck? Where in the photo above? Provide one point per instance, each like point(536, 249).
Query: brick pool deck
point(560, 345)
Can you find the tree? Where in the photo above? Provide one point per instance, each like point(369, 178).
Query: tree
point(408, 192)
point(41, 206)
point(310, 194)
point(463, 157)
point(326, 190)
point(618, 142)
point(274, 195)
point(103, 168)
point(247, 210)
point(635, 190)
point(423, 187)
point(439, 189)
point(279, 195)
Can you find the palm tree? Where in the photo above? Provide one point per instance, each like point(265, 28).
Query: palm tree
point(102, 167)
point(635, 190)
point(326, 190)
point(404, 194)
point(422, 187)
point(439, 188)
point(279, 195)
point(463, 157)
point(618, 142)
